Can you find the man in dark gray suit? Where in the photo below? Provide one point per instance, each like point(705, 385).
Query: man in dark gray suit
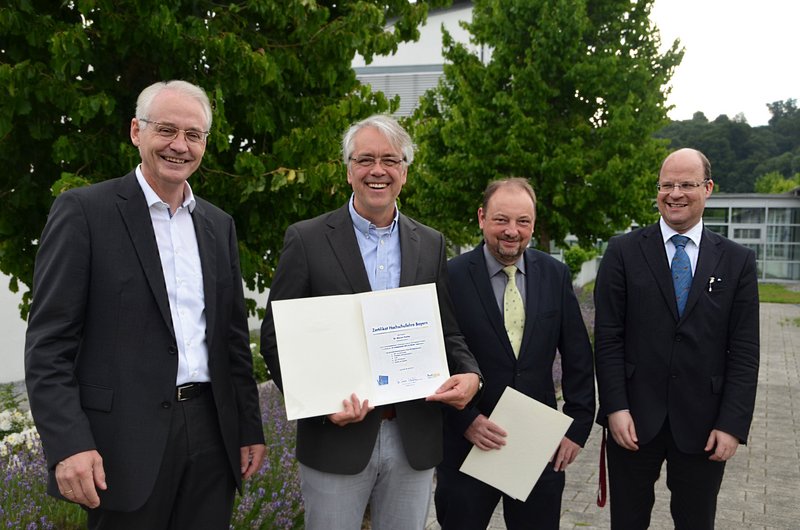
point(521, 359)
point(676, 349)
point(383, 456)
point(137, 356)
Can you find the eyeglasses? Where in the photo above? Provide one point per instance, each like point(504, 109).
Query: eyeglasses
point(168, 132)
point(686, 187)
point(369, 161)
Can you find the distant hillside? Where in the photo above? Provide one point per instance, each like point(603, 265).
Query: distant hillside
point(739, 153)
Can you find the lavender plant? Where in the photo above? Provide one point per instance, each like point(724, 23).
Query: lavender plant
point(23, 501)
point(271, 498)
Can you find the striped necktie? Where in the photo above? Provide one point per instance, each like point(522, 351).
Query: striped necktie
point(681, 271)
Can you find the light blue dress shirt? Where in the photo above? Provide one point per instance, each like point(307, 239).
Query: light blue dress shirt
point(380, 250)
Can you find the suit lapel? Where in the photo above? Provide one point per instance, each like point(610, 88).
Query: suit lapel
point(652, 245)
point(409, 251)
point(133, 208)
point(479, 275)
point(342, 239)
point(207, 248)
point(707, 259)
point(533, 292)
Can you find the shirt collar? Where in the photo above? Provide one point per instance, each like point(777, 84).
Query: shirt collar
point(694, 233)
point(495, 266)
point(152, 197)
point(363, 225)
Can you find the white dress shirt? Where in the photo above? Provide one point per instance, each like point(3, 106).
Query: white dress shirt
point(694, 234)
point(183, 275)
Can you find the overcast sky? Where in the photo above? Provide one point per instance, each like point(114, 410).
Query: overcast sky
point(739, 55)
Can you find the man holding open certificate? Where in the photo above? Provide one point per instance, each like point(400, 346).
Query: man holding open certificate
point(382, 455)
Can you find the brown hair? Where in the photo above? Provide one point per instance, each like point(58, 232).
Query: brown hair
point(518, 182)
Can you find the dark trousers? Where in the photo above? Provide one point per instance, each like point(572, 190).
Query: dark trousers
point(465, 503)
point(693, 481)
point(195, 487)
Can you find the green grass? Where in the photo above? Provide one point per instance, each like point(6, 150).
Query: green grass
point(791, 322)
point(777, 293)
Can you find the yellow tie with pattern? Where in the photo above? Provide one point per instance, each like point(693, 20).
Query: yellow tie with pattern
point(513, 310)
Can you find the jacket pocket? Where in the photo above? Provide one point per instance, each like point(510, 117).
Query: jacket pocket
point(96, 397)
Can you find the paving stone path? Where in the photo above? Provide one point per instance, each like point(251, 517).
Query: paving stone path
point(761, 488)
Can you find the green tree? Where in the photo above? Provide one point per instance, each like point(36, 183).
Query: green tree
point(569, 98)
point(277, 71)
point(774, 182)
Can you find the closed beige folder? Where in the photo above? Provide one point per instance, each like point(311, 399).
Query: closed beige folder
point(534, 434)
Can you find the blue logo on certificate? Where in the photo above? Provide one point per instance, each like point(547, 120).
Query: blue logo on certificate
point(383, 380)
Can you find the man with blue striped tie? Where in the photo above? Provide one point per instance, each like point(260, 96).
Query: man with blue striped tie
point(676, 352)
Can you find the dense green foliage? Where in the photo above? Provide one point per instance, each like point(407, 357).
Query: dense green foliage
point(569, 95)
point(739, 153)
point(774, 182)
point(565, 93)
point(278, 73)
point(575, 257)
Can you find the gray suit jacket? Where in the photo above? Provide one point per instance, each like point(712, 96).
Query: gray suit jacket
point(101, 355)
point(321, 257)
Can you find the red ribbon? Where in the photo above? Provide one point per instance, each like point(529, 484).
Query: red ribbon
point(602, 493)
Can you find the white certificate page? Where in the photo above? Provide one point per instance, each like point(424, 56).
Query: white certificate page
point(405, 343)
point(384, 346)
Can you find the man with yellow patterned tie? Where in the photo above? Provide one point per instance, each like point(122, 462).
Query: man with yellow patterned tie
point(515, 307)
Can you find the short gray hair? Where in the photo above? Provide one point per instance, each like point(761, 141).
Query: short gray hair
point(146, 97)
point(388, 126)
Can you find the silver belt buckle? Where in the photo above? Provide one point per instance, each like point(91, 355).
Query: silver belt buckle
point(181, 389)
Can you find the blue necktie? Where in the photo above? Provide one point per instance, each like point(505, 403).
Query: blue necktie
point(681, 271)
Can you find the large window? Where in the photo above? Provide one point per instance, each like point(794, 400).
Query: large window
point(747, 233)
point(782, 260)
point(715, 215)
point(719, 229)
point(772, 232)
point(784, 216)
point(783, 234)
point(747, 215)
point(759, 249)
point(790, 251)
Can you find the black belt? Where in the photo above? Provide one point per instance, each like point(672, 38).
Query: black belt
point(190, 390)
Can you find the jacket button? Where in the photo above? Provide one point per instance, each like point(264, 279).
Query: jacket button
point(165, 404)
point(678, 338)
point(172, 350)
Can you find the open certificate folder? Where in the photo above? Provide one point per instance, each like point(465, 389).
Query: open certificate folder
point(534, 433)
point(384, 346)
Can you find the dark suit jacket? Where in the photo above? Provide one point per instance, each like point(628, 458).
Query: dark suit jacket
point(321, 257)
point(701, 370)
point(552, 321)
point(101, 356)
